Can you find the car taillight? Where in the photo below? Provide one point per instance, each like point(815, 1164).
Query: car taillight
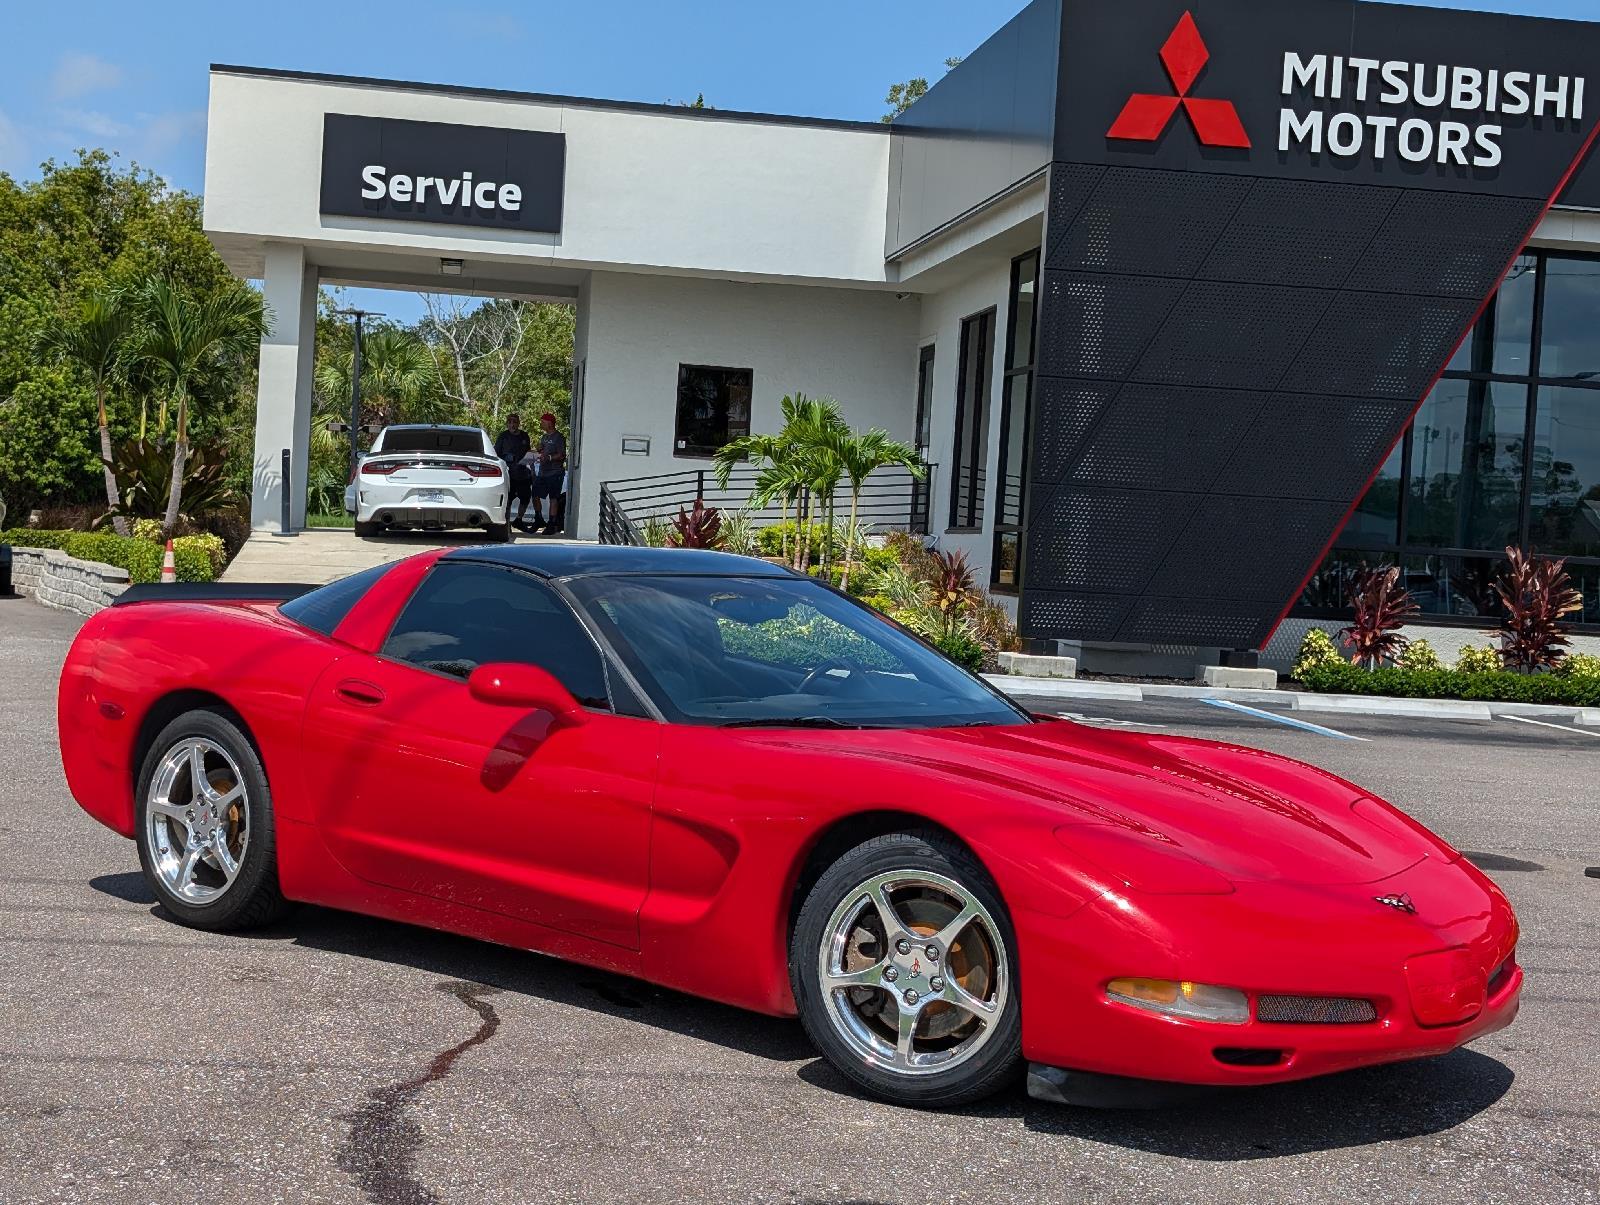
point(484, 470)
point(383, 468)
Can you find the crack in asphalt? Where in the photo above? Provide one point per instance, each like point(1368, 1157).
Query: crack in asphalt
point(380, 1149)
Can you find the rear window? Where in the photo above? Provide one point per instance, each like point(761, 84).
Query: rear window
point(324, 610)
point(430, 439)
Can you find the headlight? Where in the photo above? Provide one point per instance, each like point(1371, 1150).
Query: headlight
point(1175, 998)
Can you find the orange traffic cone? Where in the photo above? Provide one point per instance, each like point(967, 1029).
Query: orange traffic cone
point(169, 571)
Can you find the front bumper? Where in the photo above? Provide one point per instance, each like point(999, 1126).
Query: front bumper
point(1268, 938)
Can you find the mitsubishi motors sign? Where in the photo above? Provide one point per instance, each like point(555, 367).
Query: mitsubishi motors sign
point(1327, 89)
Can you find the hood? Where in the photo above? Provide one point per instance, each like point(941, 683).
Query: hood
point(1248, 815)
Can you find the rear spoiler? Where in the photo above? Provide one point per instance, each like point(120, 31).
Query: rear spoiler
point(213, 592)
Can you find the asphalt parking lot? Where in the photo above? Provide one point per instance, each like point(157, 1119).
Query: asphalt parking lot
point(336, 1058)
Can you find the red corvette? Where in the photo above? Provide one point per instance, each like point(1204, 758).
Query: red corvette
point(728, 779)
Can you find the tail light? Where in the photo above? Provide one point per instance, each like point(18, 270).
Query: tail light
point(484, 470)
point(382, 468)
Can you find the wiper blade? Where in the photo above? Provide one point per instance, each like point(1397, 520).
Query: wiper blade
point(800, 721)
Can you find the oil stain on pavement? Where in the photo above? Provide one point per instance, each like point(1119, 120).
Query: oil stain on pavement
point(381, 1147)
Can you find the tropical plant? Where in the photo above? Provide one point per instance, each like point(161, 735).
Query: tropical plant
point(1581, 665)
point(739, 534)
point(95, 338)
point(396, 371)
point(655, 532)
point(1316, 649)
point(1537, 593)
point(1382, 607)
point(144, 472)
point(858, 457)
point(697, 528)
point(1418, 655)
point(186, 342)
point(1474, 660)
point(954, 586)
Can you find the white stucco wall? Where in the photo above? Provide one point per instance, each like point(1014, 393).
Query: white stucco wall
point(939, 323)
point(647, 190)
point(858, 346)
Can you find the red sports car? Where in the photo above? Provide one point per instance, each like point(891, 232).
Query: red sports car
point(729, 779)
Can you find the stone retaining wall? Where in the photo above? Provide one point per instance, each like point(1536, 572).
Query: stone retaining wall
point(58, 580)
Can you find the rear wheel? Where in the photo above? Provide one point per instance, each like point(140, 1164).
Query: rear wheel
point(363, 530)
point(501, 533)
point(205, 825)
point(903, 965)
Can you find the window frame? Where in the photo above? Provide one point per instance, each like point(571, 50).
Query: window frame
point(1481, 341)
point(684, 366)
point(1011, 374)
point(973, 512)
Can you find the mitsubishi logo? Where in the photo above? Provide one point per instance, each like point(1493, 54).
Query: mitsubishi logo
point(1145, 118)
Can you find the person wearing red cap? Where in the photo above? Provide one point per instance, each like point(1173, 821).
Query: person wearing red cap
point(552, 471)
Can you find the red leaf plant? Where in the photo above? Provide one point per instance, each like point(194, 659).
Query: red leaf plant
point(697, 528)
point(1382, 608)
point(1536, 592)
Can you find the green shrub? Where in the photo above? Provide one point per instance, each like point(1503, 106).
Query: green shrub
point(1316, 649)
point(1496, 686)
point(961, 647)
point(196, 558)
point(148, 529)
point(1474, 660)
point(1419, 655)
point(880, 602)
point(1582, 666)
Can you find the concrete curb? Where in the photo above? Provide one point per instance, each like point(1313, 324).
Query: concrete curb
point(1293, 700)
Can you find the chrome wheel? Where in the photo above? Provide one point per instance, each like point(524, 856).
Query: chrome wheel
point(197, 820)
point(913, 972)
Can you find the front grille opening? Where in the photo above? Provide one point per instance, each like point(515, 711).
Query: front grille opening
point(1315, 1010)
point(1248, 1056)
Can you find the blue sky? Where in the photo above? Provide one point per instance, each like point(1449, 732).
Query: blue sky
point(132, 77)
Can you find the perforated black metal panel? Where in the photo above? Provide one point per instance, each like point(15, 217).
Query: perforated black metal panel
point(1223, 361)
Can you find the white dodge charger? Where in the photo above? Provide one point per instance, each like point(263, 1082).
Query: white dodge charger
point(432, 477)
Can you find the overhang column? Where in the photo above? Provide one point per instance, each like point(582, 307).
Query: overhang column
point(283, 391)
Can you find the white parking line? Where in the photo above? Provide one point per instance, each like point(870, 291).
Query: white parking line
point(1522, 719)
point(1286, 721)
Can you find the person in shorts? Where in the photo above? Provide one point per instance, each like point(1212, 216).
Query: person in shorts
point(551, 472)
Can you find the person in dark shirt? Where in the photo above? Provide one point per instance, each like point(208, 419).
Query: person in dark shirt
point(552, 472)
point(513, 443)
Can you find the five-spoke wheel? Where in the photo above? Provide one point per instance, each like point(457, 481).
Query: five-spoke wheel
point(903, 966)
point(205, 832)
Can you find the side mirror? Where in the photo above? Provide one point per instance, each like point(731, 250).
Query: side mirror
point(510, 684)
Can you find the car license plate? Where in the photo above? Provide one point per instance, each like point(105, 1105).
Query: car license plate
point(430, 495)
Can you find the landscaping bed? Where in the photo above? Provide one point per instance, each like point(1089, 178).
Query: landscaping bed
point(197, 558)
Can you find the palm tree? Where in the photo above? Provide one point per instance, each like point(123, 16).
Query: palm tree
point(395, 371)
point(861, 456)
point(809, 427)
point(96, 339)
point(184, 341)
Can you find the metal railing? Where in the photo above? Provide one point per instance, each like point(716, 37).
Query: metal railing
point(891, 498)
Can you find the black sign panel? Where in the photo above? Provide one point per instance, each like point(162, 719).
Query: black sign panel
point(1270, 224)
point(427, 171)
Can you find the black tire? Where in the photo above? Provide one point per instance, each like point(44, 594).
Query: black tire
point(993, 1066)
point(252, 898)
point(363, 530)
point(501, 533)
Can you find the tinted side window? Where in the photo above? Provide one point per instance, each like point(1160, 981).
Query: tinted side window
point(466, 615)
point(325, 609)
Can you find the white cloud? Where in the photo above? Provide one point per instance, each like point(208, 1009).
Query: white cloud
point(89, 121)
point(163, 131)
point(78, 74)
point(13, 148)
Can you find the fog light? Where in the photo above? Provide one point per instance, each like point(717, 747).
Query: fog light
point(1180, 998)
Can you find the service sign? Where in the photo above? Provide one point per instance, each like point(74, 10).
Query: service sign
point(427, 171)
point(1329, 89)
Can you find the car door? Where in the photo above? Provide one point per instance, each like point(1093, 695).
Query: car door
point(492, 807)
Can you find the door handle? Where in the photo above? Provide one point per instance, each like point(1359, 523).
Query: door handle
point(356, 691)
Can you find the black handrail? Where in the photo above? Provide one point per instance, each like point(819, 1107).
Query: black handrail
point(891, 498)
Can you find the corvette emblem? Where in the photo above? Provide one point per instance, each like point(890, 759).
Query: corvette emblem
point(916, 966)
point(1401, 902)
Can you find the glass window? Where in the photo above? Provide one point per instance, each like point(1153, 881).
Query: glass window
point(780, 652)
point(1377, 517)
point(324, 610)
point(972, 421)
point(1466, 466)
point(713, 408)
point(1570, 343)
point(466, 615)
point(924, 401)
point(1024, 280)
point(1564, 492)
point(1502, 342)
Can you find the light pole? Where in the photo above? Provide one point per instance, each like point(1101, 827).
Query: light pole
point(355, 382)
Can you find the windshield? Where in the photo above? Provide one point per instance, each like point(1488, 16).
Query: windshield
point(461, 441)
point(780, 652)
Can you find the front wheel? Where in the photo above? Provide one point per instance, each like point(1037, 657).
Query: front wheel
point(205, 825)
point(904, 968)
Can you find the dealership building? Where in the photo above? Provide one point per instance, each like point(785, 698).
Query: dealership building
point(1192, 306)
